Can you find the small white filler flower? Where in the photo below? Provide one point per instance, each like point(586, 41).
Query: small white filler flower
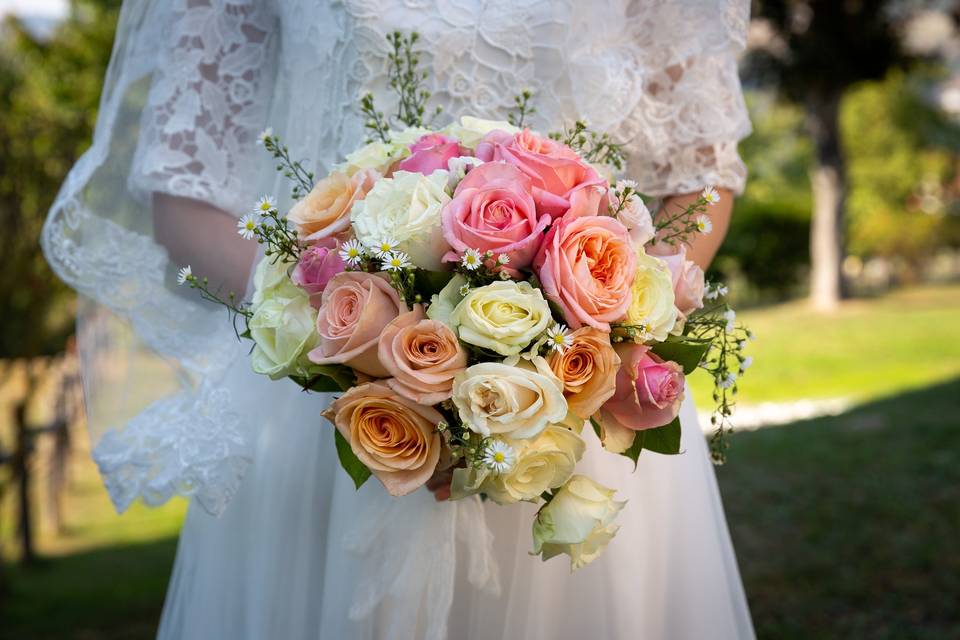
point(499, 456)
point(351, 252)
point(710, 195)
point(559, 338)
point(471, 259)
point(185, 273)
point(265, 204)
point(247, 226)
point(384, 247)
point(704, 225)
point(396, 261)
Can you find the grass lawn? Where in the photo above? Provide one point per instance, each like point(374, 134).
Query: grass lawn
point(847, 527)
point(868, 349)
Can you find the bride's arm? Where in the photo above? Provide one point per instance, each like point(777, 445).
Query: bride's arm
point(205, 237)
point(704, 246)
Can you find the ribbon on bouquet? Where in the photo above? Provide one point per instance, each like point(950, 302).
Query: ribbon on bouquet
point(406, 554)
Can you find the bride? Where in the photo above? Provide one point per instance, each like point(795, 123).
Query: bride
point(277, 542)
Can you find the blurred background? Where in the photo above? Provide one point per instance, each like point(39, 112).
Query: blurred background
point(842, 486)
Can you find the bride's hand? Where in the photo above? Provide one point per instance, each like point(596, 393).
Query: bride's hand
point(439, 484)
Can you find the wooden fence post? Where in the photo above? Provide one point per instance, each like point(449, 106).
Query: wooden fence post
point(21, 467)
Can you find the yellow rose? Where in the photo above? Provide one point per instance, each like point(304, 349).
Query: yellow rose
point(577, 521)
point(376, 155)
point(652, 301)
point(543, 463)
point(405, 208)
point(503, 317)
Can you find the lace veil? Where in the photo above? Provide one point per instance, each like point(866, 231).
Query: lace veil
point(191, 84)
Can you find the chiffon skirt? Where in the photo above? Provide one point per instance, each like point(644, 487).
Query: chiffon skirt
point(301, 554)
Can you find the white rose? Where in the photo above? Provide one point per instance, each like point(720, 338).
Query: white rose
point(405, 208)
point(652, 303)
point(470, 131)
point(283, 330)
point(442, 304)
point(271, 273)
point(637, 219)
point(517, 398)
point(578, 521)
point(545, 462)
point(503, 317)
point(408, 136)
point(375, 155)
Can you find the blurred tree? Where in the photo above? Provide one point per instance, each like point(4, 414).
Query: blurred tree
point(817, 49)
point(49, 91)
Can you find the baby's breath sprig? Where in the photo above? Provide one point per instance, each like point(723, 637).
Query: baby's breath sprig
point(725, 362)
point(592, 145)
point(267, 227)
point(376, 123)
point(292, 169)
point(683, 223)
point(481, 269)
point(235, 308)
point(522, 108)
point(407, 80)
point(622, 193)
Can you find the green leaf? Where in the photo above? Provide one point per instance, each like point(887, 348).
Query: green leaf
point(664, 439)
point(428, 283)
point(597, 429)
point(687, 352)
point(639, 441)
point(327, 378)
point(357, 471)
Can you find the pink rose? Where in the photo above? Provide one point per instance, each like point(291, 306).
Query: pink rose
point(430, 153)
point(562, 181)
point(423, 356)
point(317, 265)
point(492, 209)
point(687, 281)
point(355, 307)
point(649, 390)
point(587, 266)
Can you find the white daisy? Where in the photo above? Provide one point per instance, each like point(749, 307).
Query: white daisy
point(247, 226)
point(471, 259)
point(385, 246)
point(503, 259)
point(727, 381)
point(730, 316)
point(559, 338)
point(745, 363)
point(710, 195)
point(351, 252)
point(265, 204)
point(266, 133)
point(722, 290)
point(186, 273)
point(464, 290)
point(626, 184)
point(704, 225)
point(499, 456)
point(396, 260)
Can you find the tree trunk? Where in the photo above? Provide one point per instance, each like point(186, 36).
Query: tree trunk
point(828, 182)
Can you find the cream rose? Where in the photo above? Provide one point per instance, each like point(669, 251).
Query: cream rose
point(282, 330)
point(470, 131)
point(543, 463)
point(588, 370)
point(376, 155)
point(405, 208)
point(394, 437)
point(517, 397)
point(423, 356)
point(652, 298)
point(503, 317)
point(578, 521)
point(325, 211)
point(270, 274)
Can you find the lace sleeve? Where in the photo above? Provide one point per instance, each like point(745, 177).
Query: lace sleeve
point(207, 102)
point(683, 134)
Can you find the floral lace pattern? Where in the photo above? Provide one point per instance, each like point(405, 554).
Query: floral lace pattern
point(658, 74)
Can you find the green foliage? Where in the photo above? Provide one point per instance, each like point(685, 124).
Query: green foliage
point(357, 471)
point(902, 156)
point(49, 91)
point(686, 352)
point(665, 439)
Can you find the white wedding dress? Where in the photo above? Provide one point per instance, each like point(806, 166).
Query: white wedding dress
point(277, 543)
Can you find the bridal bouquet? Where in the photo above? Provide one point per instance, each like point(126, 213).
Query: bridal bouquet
point(478, 294)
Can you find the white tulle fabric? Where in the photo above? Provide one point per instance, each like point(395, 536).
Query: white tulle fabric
point(296, 552)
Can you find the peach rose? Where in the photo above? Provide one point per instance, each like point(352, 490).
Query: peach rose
point(354, 310)
point(423, 356)
point(587, 265)
point(325, 211)
point(562, 181)
point(394, 437)
point(588, 370)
